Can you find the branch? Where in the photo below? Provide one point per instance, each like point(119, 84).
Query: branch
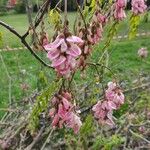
point(22, 38)
point(41, 11)
point(139, 136)
point(37, 138)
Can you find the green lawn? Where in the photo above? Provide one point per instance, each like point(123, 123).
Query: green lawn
point(23, 68)
point(20, 23)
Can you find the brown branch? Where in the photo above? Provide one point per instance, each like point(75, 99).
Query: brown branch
point(12, 30)
point(39, 18)
point(37, 138)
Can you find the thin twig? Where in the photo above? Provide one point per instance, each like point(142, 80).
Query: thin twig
point(12, 30)
point(35, 140)
point(49, 136)
point(139, 136)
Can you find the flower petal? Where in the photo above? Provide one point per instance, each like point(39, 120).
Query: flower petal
point(58, 61)
point(54, 45)
point(74, 39)
point(53, 54)
point(74, 50)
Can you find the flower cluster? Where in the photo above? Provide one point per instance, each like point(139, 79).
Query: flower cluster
point(143, 52)
point(63, 112)
point(103, 110)
point(96, 27)
point(63, 53)
point(138, 6)
point(92, 35)
point(119, 10)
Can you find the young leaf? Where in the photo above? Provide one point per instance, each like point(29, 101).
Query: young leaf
point(87, 127)
point(54, 17)
point(134, 23)
point(41, 105)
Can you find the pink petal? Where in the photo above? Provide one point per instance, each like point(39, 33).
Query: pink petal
point(54, 45)
point(74, 50)
point(64, 46)
point(55, 120)
point(53, 54)
point(111, 105)
point(61, 111)
point(58, 61)
point(66, 104)
point(74, 39)
point(52, 112)
point(71, 62)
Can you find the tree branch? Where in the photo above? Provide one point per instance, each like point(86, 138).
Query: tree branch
point(39, 16)
point(12, 30)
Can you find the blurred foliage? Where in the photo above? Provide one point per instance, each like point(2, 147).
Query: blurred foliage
point(87, 127)
point(41, 105)
point(1, 38)
point(55, 18)
point(42, 80)
point(134, 23)
point(20, 7)
point(110, 143)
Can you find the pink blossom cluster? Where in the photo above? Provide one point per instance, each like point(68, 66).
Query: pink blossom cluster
point(119, 12)
point(96, 28)
point(63, 112)
point(92, 35)
point(103, 110)
point(143, 52)
point(63, 53)
point(138, 6)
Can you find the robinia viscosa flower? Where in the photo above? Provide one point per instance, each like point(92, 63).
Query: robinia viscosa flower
point(103, 110)
point(138, 6)
point(119, 12)
point(63, 53)
point(143, 52)
point(63, 112)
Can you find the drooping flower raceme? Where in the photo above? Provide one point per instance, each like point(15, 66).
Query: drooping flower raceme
point(63, 112)
point(138, 6)
point(119, 10)
point(91, 35)
point(114, 94)
point(143, 52)
point(63, 53)
point(103, 110)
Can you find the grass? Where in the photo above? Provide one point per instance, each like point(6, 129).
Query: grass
point(20, 23)
point(23, 68)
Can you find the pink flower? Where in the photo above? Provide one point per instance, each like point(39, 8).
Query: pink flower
point(101, 18)
point(143, 52)
point(63, 112)
point(138, 6)
point(63, 53)
point(103, 110)
point(119, 12)
point(73, 121)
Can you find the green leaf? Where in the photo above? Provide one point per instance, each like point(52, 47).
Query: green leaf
point(93, 6)
point(54, 17)
point(98, 143)
point(134, 23)
point(42, 80)
point(107, 143)
point(87, 126)
point(41, 105)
